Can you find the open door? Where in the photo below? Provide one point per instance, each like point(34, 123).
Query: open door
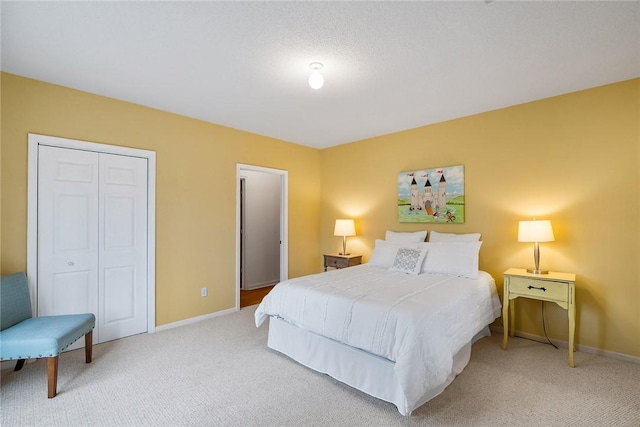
point(261, 234)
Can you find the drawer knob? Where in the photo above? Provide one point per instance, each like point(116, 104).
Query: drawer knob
point(540, 289)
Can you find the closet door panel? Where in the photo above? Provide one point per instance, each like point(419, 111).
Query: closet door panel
point(123, 243)
point(67, 238)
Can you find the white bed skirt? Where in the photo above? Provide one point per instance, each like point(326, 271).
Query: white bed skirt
point(364, 371)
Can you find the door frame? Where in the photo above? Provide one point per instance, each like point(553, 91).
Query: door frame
point(284, 221)
point(34, 142)
point(241, 229)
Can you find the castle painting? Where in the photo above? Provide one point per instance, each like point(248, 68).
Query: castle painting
point(432, 195)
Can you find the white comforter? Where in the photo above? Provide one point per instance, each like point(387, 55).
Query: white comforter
point(419, 322)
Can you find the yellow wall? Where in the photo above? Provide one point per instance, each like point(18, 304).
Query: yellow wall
point(573, 159)
point(195, 187)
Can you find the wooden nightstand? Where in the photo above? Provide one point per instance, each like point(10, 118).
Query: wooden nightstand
point(553, 287)
point(341, 261)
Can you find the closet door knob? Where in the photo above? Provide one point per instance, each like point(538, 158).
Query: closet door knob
point(71, 263)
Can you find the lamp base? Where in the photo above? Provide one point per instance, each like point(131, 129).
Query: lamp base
point(340, 253)
point(534, 271)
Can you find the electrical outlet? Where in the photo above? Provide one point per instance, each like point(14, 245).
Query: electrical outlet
point(203, 292)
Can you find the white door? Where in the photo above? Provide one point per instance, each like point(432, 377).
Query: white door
point(92, 218)
point(67, 232)
point(260, 227)
point(122, 258)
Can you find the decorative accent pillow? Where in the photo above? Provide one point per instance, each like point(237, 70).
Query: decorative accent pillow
point(434, 236)
point(408, 260)
point(384, 253)
point(412, 237)
point(452, 258)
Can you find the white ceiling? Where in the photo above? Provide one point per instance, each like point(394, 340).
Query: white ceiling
point(388, 66)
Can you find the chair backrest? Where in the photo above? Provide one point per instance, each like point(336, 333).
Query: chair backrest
point(15, 301)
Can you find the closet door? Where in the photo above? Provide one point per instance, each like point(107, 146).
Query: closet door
point(67, 231)
point(92, 239)
point(123, 246)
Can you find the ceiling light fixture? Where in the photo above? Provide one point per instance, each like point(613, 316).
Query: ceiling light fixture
point(315, 79)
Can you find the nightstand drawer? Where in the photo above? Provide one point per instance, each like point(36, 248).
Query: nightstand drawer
point(538, 288)
point(341, 261)
point(336, 262)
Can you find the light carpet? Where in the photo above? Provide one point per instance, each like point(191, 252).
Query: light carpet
point(219, 372)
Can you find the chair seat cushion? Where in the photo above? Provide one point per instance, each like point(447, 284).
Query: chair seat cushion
point(44, 336)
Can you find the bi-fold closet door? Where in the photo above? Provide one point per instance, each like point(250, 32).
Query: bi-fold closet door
point(92, 238)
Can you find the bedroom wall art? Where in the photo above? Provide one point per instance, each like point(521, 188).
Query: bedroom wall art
point(432, 195)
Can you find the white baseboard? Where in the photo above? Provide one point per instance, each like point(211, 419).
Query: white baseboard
point(578, 347)
point(194, 319)
point(259, 285)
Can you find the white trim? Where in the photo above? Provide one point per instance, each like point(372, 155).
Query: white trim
point(32, 222)
point(195, 319)
point(284, 221)
point(578, 347)
point(242, 238)
point(34, 142)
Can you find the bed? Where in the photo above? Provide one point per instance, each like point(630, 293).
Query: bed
point(399, 328)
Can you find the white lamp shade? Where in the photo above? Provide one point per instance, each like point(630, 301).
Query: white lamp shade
point(344, 227)
point(535, 231)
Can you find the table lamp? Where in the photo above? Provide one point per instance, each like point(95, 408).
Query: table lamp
point(344, 228)
point(535, 232)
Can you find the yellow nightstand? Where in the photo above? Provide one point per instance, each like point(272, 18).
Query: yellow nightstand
point(554, 287)
point(341, 261)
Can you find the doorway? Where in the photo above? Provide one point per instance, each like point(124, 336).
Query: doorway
point(91, 233)
point(261, 230)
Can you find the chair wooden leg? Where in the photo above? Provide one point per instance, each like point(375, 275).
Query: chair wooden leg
point(88, 346)
point(52, 367)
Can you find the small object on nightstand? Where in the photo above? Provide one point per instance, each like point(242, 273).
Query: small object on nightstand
point(554, 287)
point(341, 261)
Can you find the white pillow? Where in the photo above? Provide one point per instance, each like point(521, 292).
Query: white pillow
point(414, 237)
point(384, 253)
point(408, 260)
point(452, 258)
point(434, 236)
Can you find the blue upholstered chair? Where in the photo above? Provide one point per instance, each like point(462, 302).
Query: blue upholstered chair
point(24, 337)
